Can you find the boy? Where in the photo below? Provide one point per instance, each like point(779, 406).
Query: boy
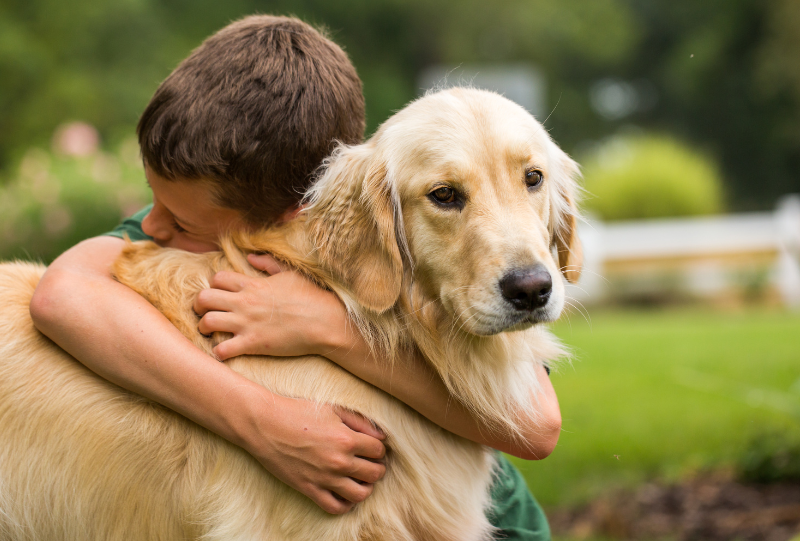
point(230, 140)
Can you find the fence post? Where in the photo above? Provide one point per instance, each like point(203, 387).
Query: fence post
point(787, 220)
point(591, 287)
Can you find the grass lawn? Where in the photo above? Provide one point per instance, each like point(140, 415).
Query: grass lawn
point(668, 392)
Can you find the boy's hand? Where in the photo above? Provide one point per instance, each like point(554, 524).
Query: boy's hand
point(326, 453)
point(329, 454)
point(283, 314)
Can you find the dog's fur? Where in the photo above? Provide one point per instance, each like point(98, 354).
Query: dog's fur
point(82, 459)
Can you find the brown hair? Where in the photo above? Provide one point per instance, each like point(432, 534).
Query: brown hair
point(254, 109)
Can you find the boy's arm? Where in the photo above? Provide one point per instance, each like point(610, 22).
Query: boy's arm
point(287, 315)
point(120, 336)
point(415, 383)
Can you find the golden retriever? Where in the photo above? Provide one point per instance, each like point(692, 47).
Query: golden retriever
point(448, 231)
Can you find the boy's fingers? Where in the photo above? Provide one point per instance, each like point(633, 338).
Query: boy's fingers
point(228, 349)
point(332, 503)
point(212, 300)
point(228, 281)
point(217, 322)
point(353, 491)
point(265, 263)
point(368, 471)
point(369, 447)
point(359, 423)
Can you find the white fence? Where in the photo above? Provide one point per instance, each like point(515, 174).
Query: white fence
point(709, 257)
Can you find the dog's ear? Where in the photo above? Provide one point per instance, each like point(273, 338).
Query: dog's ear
point(564, 217)
point(351, 213)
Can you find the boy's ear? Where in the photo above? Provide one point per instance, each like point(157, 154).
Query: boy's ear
point(564, 218)
point(351, 217)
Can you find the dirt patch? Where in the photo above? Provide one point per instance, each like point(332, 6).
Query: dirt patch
point(706, 508)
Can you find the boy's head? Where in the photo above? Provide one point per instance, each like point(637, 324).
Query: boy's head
point(252, 112)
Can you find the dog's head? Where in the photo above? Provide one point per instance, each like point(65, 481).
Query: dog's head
point(462, 192)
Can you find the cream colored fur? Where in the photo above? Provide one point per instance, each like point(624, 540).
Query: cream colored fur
point(82, 459)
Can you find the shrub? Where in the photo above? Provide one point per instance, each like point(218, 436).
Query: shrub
point(649, 176)
point(770, 458)
point(55, 201)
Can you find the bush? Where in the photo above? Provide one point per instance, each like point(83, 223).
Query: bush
point(771, 458)
point(55, 201)
point(649, 176)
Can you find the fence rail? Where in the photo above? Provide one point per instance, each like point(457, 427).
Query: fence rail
point(710, 257)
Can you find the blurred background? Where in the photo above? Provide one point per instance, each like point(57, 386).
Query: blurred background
point(682, 401)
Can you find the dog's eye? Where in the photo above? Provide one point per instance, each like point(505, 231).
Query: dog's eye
point(533, 178)
point(446, 196)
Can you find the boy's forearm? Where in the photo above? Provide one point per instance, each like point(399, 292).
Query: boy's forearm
point(127, 341)
point(285, 314)
point(329, 456)
point(415, 383)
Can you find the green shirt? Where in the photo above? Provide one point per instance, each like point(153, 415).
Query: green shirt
point(132, 226)
point(514, 510)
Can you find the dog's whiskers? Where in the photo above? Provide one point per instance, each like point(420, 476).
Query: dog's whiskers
point(580, 308)
point(584, 271)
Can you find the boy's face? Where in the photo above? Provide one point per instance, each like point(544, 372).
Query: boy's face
point(186, 216)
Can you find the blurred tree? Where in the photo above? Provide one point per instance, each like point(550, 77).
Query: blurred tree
point(722, 74)
point(91, 60)
point(778, 65)
point(704, 60)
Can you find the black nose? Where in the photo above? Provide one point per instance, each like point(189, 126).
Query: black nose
point(527, 289)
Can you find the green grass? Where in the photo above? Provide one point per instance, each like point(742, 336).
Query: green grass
point(669, 392)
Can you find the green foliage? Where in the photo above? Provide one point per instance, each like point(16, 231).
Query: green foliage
point(661, 394)
point(53, 202)
point(91, 60)
point(771, 458)
point(724, 73)
point(99, 61)
point(778, 71)
point(650, 176)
